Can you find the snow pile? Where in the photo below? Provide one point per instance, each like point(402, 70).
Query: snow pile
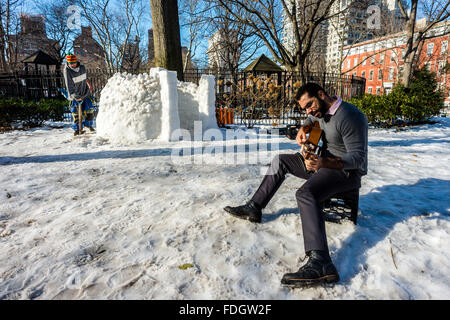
point(130, 108)
point(135, 108)
point(85, 219)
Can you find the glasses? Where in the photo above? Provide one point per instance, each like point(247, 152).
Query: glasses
point(309, 104)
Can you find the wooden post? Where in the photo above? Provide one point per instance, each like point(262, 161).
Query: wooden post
point(79, 116)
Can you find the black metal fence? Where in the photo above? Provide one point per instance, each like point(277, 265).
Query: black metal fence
point(258, 108)
point(248, 109)
point(34, 85)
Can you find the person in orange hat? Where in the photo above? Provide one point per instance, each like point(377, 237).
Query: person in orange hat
point(78, 92)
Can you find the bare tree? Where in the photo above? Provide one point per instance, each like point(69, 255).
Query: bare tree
point(265, 17)
point(113, 24)
point(56, 15)
point(233, 43)
point(9, 24)
point(194, 18)
point(436, 11)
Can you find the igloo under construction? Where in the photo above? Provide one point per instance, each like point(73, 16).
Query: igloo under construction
point(136, 108)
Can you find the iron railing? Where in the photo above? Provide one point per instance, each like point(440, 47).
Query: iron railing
point(42, 84)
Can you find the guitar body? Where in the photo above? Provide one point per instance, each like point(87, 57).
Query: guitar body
point(315, 135)
point(312, 143)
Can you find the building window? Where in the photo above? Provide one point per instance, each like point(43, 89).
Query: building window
point(391, 73)
point(354, 74)
point(363, 74)
point(444, 47)
point(364, 62)
point(371, 75)
point(372, 60)
point(378, 91)
point(369, 90)
point(441, 66)
point(430, 48)
point(380, 74)
point(382, 58)
point(355, 61)
point(348, 63)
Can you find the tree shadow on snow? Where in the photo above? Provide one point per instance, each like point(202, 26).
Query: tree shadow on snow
point(382, 209)
point(407, 143)
point(113, 154)
point(144, 153)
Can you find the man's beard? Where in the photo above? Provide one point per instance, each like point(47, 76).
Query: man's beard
point(322, 109)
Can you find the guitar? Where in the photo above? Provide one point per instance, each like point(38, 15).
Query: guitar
point(312, 146)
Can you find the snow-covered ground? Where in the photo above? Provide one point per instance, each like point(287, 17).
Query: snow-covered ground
point(81, 218)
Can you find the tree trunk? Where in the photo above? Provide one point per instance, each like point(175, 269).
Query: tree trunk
point(411, 47)
point(166, 36)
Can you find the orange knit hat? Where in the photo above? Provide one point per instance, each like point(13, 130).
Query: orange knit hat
point(71, 58)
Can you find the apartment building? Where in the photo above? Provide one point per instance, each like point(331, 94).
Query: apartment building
point(359, 21)
point(381, 62)
point(88, 50)
point(31, 38)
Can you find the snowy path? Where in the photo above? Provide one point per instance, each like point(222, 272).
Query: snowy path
point(81, 218)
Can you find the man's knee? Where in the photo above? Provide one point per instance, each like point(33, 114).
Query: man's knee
point(278, 164)
point(279, 159)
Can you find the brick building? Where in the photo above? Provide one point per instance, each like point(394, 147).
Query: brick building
point(380, 60)
point(132, 61)
point(88, 50)
point(151, 46)
point(31, 38)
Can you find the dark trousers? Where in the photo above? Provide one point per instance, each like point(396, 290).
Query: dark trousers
point(318, 187)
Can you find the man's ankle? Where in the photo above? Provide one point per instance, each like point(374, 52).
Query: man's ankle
point(255, 204)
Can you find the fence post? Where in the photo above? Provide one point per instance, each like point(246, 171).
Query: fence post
point(16, 76)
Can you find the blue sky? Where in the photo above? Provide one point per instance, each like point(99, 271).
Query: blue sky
point(32, 7)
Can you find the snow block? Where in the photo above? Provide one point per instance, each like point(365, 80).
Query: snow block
point(170, 120)
point(154, 72)
point(207, 102)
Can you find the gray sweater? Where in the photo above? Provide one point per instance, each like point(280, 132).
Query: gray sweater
point(75, 81)
point(345, 136)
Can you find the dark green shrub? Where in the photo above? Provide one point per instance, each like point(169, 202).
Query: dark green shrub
point(419, 102)
point(425, 96)
point(31, 113)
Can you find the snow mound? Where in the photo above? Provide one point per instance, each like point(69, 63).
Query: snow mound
point(130, 108)
point(135, 108)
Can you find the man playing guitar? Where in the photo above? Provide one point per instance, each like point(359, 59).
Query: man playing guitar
point(339, 168)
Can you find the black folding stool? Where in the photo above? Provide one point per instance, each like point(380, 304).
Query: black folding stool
point(340, 206)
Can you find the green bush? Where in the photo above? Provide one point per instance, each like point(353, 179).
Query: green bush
point(31, 113)
point(419, 102)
